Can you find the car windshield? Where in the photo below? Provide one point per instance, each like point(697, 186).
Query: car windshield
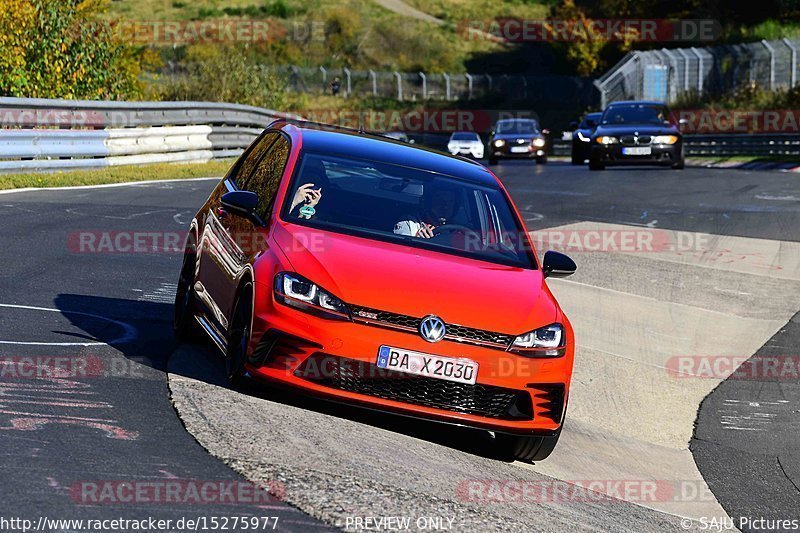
point(590, 121)
point(465, 136)
point(394, 203)
point(636, 114)
point(517, 126)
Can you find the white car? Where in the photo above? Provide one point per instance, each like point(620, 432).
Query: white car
point(465, 143)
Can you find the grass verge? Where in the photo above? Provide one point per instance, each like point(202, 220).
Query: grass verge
point(121, 174)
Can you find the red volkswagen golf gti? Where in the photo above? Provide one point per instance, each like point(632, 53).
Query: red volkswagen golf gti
point(366, 270)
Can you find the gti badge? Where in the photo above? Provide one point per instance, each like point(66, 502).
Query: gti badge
point(432, 328)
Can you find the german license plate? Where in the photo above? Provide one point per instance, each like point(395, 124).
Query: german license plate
point(519, 149)
point(458, 370)
point(637, 150)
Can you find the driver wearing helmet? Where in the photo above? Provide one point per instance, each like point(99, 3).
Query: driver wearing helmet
point(440, 206)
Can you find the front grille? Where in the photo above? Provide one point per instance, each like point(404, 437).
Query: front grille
point(631, 140)
point(369, 379)
point(454, 332)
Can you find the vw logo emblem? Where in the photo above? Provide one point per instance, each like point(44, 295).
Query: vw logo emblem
point(432, 328)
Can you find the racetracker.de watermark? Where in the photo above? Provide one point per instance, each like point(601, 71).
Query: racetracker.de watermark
point(508, 491)
point(55, 367)
point(416, 121)
point(637, 240)
point(627, 240)
point(174, 491)
point(49, 366)
point(739, 120)
point(755, 368)
point(578, 30)
point(217, 30)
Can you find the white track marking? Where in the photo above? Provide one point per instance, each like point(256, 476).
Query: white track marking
point(129, 334)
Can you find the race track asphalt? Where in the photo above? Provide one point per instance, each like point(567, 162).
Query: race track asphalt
point(112, 311)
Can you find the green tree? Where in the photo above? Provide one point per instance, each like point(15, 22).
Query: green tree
point(64, 49)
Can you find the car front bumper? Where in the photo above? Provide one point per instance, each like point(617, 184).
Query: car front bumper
point(660, 154)
point(476, 151)
point(336, 359)
point(504, 151)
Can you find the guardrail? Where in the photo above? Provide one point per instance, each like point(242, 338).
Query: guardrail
point(43, 134)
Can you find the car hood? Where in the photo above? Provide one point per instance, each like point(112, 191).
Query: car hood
point(514, 136)
point(416, 282)
point(630, 129)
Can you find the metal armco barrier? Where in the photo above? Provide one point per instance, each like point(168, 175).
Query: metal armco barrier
point(42, 134)
point(39, 134)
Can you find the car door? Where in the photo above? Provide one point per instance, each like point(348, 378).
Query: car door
point(229, 242)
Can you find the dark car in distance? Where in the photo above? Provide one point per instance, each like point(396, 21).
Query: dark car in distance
point(517, 138)
point(582, 137)
point(636, 133)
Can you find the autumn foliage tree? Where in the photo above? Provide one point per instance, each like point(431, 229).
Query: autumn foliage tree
point(63, 49)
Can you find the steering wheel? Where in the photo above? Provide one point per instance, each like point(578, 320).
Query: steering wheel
point(451, 228)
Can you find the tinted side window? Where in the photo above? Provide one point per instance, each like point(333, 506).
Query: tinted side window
point(265, 178)
point(244, 173)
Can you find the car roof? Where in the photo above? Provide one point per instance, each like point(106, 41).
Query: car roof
point(518, 120)
point(637, 102)
point(360, 145)
point(595, 114)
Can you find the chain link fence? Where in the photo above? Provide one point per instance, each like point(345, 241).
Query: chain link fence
point(670, 74)
point(414, 86)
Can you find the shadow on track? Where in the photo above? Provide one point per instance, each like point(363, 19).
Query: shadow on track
point(154, 342)
point(148, 339)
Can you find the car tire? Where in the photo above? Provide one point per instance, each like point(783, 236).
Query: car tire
point(239, 338)
point(596, 165)
point(541, 160)
point(184, 324)
point(525, 448)
point(680, 164)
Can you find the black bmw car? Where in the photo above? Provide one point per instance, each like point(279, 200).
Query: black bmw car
point(517, 138)
point(582, 136)
point(637, 133)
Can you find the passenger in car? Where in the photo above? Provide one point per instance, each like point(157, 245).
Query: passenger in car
point(308, 195)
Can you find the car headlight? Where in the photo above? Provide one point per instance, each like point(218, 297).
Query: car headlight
point(583, 138)
point(548, 341)
point(605, 139)
point(665, 139)
point(298, 292)
point(538, 142)
point(499, 142)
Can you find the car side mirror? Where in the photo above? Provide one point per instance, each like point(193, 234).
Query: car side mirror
point(411, 141)
point(546, 131)
point(241, 203)
point(491, 133)
point(557, 265)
